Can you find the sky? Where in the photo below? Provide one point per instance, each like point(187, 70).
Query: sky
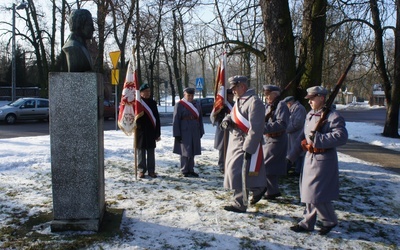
point(173, 212)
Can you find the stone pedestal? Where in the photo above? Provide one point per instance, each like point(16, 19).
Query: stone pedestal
point(77, 150)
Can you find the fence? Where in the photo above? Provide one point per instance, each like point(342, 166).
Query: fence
point(5, 92)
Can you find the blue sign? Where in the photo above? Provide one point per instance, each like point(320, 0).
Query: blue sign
point(199, 83)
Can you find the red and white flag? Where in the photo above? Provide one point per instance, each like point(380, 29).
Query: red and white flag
point(131, 106)
point(219, 90)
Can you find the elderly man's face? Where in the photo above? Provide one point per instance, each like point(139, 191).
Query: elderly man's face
point(239, 89)
point(270, 96)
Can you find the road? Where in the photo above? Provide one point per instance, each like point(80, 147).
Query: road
point(376, 116)
point(35, 128)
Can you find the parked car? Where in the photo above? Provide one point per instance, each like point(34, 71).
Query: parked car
point(206, 105)
point(27, 108)
point(109, 109)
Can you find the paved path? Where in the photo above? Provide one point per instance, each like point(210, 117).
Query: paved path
point(388, 159)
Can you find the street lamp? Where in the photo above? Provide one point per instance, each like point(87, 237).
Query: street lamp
point(21, 6)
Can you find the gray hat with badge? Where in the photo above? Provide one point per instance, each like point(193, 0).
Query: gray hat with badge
point(235, 80)
point(316, 90)
point(271, 88)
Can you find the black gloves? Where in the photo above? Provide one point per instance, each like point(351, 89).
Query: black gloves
point(247, 156)
point(225, 124)
point(178, 139)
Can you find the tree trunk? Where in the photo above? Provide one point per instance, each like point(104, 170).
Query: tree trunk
point(391, 90)
point(174, 57)
point(102, 10)
point(39, 48)
point(392, 111)
point(280, 64)
point(171, 83)
point(312, 43)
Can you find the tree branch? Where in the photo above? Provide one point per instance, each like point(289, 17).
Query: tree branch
point(240, 45)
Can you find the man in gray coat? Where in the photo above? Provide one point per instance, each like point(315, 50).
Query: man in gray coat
point(275, 148)
point(320, 177)
point(295, 129)
point(245, 124)
point(188, 129)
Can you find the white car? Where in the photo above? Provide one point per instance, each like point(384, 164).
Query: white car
point(27, 108)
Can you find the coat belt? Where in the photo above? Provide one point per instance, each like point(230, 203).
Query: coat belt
point(311, 149)
point(272, 135)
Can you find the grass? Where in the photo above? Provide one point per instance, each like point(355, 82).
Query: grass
point(27, 235)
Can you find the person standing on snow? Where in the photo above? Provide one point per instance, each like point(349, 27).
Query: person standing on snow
point(188, 129)
point(320, 177)
point(245, 124)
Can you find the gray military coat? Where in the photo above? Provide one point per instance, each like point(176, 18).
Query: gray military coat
point(275, 147)
point(252, 108)
point(296, 123)
point(320, 177)
point(191, 131)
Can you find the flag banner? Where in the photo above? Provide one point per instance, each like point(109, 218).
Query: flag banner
point(219, 90)
point(130, 107)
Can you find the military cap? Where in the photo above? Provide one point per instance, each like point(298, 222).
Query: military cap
point(271, 88)
point(289, 99)
point(235, 80)
point(189, 90)
point(316, 90)
point(144, 86)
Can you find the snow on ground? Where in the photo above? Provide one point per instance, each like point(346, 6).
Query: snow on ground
point(173, 212)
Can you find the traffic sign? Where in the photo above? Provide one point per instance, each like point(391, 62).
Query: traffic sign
point(199, 83)
point(114, 58)
point(114, 76)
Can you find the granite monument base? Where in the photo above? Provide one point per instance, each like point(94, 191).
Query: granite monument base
point(77, 150)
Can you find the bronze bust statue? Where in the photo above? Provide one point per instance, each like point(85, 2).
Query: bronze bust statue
point(81, 27)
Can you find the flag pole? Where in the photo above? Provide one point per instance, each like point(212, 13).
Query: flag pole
point(225, 99)
point(135, 127)
point(137, 63)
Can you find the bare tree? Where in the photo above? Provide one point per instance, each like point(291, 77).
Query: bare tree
point(122, 13)
point(360, 13)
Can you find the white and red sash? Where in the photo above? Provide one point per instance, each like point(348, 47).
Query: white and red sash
point(190, 107)
point(149, 112)
point(243, 124)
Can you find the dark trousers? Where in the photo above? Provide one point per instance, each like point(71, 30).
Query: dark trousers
point(187, 164)
point(221, 160)
point(146, 163)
